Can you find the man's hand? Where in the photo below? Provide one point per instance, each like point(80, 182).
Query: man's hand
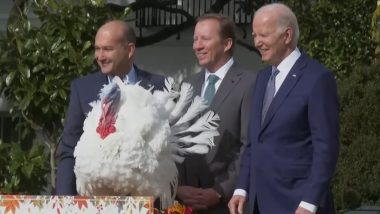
point(236, 204)
point(190, 196)
point(197, 198)
point(301, 210)
point(209, 197)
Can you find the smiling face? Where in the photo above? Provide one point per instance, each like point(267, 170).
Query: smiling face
point(273, 42)
point(113, 52)
point(211, 50)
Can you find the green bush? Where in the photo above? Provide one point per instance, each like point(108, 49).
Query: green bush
point(358, 174)
point(357, 180)
point(22, 172)
point(337, 33)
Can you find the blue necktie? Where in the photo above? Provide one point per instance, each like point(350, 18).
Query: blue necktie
point(210, 89)
point(269, 93)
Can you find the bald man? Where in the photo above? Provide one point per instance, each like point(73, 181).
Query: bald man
point(114, 50)
point(293, 137)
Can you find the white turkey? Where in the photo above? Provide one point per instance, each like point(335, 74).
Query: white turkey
point(132, 139)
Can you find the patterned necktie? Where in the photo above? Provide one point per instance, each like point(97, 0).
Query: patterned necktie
point(210, 90)
point(269, 93)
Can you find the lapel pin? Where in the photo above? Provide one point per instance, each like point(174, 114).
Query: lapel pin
point(294, 75)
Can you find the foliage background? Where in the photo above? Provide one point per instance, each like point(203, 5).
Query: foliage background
point(38, 62)
point(336, 32)
point(21, 171)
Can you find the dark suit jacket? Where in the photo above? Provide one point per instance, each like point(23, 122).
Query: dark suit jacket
point(84, 90)
point(219, 168)
point(292, 156)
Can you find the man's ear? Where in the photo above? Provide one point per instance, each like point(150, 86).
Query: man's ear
point(131, 49)
point(227, 44)
point(288, 35)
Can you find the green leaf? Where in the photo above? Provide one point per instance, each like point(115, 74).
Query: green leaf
point(53, 5)
point(20, 46)
point(88, 60)
point(55, 46)
point(49, 78)
point(62, 94)
point(29, 43)
point(97, 3)
point(24, 69)
point(24, 103)
point(27, 23)
point(24, 133)
point(37, 101)
point(86, 45)
point(53, 95)
point(27, 169)
point(9, 78)
point(16, 154)
point(38, 67)
point(46, 108)
point(36, 151)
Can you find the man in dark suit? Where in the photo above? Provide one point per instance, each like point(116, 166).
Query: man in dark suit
point(207, 181)
point(114, 50)
point(293, 139)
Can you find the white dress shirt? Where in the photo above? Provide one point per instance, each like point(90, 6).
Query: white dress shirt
point(284, 67)
point(221, 73)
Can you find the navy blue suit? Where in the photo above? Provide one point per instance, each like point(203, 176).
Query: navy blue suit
point(85, 90)
point(291, 157)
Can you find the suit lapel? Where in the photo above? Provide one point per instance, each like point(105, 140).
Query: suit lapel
point(142, 77)
point(100, 80)
point(290, 81)
point(228, 83)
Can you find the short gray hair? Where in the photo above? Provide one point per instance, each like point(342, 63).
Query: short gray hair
point(285, 18)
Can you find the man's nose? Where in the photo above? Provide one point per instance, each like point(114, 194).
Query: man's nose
point(99, 54)
point(257, 42)
point(197, 45)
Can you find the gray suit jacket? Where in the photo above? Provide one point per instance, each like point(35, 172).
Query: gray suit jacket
point(219, 168)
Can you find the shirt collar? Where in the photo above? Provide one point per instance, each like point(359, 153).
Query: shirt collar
point(130, 78)
point(222, 71)
point(287, 64)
